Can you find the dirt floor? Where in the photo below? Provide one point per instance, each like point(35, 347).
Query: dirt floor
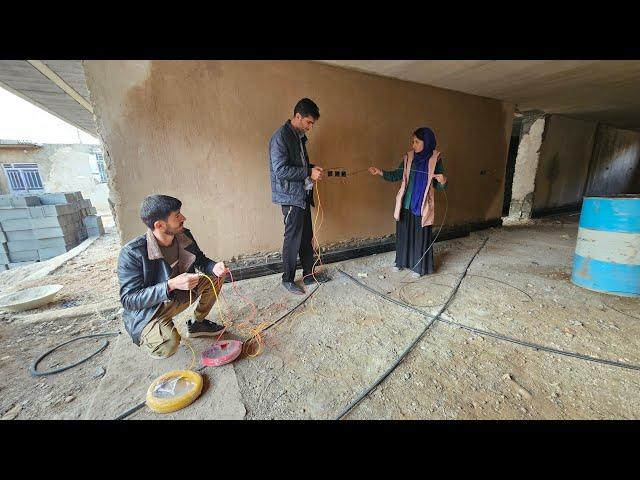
point(320, 358)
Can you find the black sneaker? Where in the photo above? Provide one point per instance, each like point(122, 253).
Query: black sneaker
point(291, 287)
point(205, 328)
point(318, 277)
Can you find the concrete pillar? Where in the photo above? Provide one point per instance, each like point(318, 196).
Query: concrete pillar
point(533, 126)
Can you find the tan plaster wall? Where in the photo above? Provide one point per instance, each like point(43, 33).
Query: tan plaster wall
point(199, 130)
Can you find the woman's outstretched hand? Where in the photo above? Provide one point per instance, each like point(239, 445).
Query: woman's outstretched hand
point(375, 171)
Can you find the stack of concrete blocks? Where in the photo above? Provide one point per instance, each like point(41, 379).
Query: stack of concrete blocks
point(37, 228)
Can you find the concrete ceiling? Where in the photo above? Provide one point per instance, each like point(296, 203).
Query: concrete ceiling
point(57, 86)
point(607, 91)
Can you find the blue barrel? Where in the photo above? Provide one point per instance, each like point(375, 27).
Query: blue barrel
point(607, 257)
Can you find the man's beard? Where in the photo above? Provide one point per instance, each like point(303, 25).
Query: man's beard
point(170, 231)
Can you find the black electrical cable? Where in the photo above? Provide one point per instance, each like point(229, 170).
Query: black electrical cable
point(34, 366)
point(402, 295)
point(130, 411)
point(406, 284)
point(366, 392)
point(623, 313)
point(498, 336)
point(504, 283)
point(124, 415)
point(294, 308)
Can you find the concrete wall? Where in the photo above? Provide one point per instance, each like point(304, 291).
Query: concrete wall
point(62, 168)
point(615, 166)
point(564, 162)
point(199, 130)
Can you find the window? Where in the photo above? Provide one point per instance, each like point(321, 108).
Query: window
point(102, 169)
point(23, 178)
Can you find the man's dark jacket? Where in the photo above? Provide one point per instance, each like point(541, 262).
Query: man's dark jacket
point(288, 169)
point(144, 275)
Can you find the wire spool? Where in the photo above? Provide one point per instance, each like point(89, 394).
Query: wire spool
point(221, 353)
point(174, 390)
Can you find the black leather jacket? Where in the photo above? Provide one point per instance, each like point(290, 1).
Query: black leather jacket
point(143, 274)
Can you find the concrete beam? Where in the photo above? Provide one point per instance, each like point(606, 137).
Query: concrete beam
point(40, 105)
point(55, 78)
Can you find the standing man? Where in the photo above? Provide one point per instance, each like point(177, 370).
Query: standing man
point(292, 177)
point(156, 272)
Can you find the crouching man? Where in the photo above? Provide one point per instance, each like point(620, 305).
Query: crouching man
point(156, 271)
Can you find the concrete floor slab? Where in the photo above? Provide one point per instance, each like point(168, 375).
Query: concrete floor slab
point(130, 372)
point(319, 359)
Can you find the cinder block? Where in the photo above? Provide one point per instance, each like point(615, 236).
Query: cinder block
point(92, 221)
point(41, 233)
point(82, 235)
point(36, 223)
point(75, 217)
point(94, 226)
point(35, 212)
point(68, 240)
point(85, 203)
point(13, 213)
point(16, 224)
point(20, 264)
point(53, 210)
point(26, 256)
point(57, 198)
point(16, 201)
point(20, 235)
point(47, 253)
point(50, 222)
point(22, 245)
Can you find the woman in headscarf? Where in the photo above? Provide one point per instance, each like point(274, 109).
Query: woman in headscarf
point(420, 172)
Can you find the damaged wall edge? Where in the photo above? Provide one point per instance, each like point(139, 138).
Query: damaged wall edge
point(113, 198)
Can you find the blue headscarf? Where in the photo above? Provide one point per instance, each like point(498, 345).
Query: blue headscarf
point(420, 165)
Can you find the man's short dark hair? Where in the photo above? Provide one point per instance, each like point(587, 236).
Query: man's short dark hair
point(158, 207)
point(307, 108)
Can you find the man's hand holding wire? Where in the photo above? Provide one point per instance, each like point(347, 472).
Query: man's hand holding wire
point(316, 174)
point(219, 269)
point(184, 281)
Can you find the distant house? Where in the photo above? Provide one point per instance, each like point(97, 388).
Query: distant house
point(30, 168)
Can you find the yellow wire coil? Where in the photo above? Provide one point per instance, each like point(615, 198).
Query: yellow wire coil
point(171, 404)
